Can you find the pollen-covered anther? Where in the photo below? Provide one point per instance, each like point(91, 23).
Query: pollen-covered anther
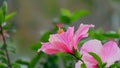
point(60, 31)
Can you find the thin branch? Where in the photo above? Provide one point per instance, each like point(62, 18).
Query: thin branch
point(5, 45)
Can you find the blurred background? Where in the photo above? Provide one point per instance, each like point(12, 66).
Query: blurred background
point(35, 16)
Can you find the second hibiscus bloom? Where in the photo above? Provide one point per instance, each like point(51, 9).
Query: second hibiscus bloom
point(65, 41)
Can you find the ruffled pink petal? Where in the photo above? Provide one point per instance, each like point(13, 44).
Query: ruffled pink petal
point(88, 65)
point(110, 52)
point(62, 47)
point(114, 58)
point(67, 36)
point(91, 46)
point(78, 64)
point(89, 59)
point(63, 41)
point(48, 48)
point(81, 33)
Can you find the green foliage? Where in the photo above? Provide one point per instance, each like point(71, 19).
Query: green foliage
point(22, 62)
point(4, 7)
point(83, 66)
point(3, 59)
point(1, 16)
point(45, 36)
point(36, 46)
point(9, 16)
point(34, 60)
point(111, 34)
point(65, 12)
point(115, 65)
point(2, 53)
point(3, 65)
point(51, 63)
point(97, 34)
point(68, 60)
point(97, 58)
point(67, 17)
point(78, 14)
point(15, 65)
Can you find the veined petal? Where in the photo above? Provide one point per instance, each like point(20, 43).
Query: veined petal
point(48, 48)
point(63, 41)
point(110, 52)
point(114, 58)
point(67, 36)
point(91, 46)
point(61, 47)
point(109, 49)
point(88, 65)
point(81, 33)
point(78, 64)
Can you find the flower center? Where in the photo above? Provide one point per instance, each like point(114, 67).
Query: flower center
point(60, 30)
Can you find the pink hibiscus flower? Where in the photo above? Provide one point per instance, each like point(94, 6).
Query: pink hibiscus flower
point(109, 53)
point(65, 41)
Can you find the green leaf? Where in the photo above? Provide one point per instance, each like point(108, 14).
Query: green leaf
point(97, 34)
point(118, 31)
point(111, 34)
point(65, 19)
point(2, 52)
point(7, 17)
point(65, 12)
point(78, 14)
point(113, 65)
point(34, 60)
point(19, 61)
point(77, 55)
point(3, 59)
point(36, 46)
point(3, 46)
point(103, 65)
point(65, 16)
point(97, 58)
point(45, 36)
point(1, 16)
point(15, 65)
point(3, 65)
point(83, 66)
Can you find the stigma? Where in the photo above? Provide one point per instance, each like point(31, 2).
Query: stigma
point(60, 30)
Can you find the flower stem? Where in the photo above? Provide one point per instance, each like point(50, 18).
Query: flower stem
point(5, 45)
point(78, 56)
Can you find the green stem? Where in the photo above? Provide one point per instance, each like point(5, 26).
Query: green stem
point(78, 56)
point(5, 45)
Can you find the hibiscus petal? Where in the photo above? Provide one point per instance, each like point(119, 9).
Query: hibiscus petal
point(88, 65)
point(91, 46)
point(114, 58)
point(81, 33)
point(109, 49)
point(62, 47)
point(78, 64)
point(48, 48)
point(67, 36)
point(63, 41)
point(110, 52)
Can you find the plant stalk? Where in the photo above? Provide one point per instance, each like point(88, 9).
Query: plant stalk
point(5, 45)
